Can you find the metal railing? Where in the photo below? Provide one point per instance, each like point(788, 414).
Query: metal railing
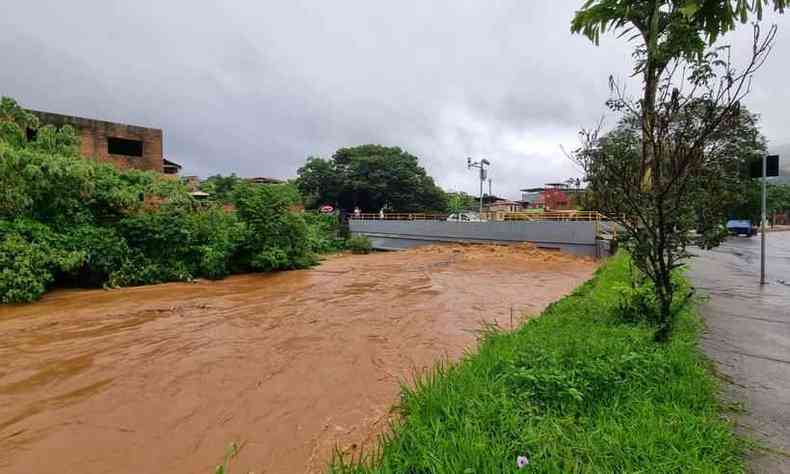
point(596, 218)
point(589, 216)
point(398, 216)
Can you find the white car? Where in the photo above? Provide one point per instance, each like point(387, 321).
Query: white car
point(464, 217)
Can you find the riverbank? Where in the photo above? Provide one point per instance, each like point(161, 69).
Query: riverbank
point(572, 391)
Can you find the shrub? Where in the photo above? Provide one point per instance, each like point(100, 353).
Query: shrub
point(359, 244)
point(276, 239)
point(31, 255)
point(323, 232)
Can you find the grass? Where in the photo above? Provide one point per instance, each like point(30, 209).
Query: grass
point(576, 390)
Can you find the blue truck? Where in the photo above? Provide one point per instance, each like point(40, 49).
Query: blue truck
point(741, 227)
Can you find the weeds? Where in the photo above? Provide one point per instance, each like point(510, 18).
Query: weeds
point(359, 244)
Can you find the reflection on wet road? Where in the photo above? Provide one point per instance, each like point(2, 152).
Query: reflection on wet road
point(748, 335)
point(162, 378)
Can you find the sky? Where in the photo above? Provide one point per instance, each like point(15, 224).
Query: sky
point(255, 87)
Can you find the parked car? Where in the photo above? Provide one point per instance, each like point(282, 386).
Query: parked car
point(464, 217)
point(741, 227)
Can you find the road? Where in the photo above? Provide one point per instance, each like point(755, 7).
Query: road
point(748, 336)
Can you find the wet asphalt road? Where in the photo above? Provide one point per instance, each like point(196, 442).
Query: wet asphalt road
point(748, 336)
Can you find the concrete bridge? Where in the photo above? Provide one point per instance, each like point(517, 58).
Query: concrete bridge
point(577, 237)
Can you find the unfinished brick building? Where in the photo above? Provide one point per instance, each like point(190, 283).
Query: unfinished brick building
point(125, 146)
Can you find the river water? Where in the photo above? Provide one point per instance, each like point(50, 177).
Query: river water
point(291, 365)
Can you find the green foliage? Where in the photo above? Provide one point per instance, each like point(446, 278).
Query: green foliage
point(460, 202)
point(750, 204)
point(276, 239)
point(220, 187)
point(370, 177)
point(359, 244)
point(67, 219)
point(575, 390)
point(323, 234)
point(691, 97)
point(230, 453)
point(31, 256)
point(682, 28)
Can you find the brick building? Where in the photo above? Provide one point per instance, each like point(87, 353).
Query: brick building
point(125, 146)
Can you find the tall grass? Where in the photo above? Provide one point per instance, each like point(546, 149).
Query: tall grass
point(576, 390)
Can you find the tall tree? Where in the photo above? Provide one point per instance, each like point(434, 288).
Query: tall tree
point(691, 93)
point(370, 177)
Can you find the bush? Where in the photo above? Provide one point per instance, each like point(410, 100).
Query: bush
point(276, 239)
point(359, 244)
point(323, 232)
point(31, 256)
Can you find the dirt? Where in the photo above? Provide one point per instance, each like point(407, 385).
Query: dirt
point(291, 365)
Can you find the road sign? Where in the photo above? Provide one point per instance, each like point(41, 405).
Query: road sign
point(771, 167)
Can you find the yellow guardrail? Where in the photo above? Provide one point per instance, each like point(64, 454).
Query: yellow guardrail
point(590, 216)
point(556, 216)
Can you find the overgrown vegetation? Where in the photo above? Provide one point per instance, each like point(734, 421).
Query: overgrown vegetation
point(359, 244)
point(575, 390)
point(667, 176)
point(67, 219)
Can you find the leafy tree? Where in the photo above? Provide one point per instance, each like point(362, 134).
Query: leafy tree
point(458, 202)
point(276, 239)
point(691, 93)
point(220, 187)
point(370, 177)
point(750, 206)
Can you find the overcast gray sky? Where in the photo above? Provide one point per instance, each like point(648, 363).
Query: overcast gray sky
point(254, 87)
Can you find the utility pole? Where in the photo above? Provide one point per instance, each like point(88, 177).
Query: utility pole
point(770, 167)
point(483, 174)
point(489, 187)
point(762, 223)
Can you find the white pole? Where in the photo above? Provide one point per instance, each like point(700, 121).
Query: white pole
point(482, 179)
point(762, 224)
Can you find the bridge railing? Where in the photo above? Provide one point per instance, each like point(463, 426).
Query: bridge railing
point(589, 216)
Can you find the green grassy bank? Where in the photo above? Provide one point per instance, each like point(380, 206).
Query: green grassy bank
point(575, 390)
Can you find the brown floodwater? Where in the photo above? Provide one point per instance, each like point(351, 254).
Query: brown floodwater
point(291, 365)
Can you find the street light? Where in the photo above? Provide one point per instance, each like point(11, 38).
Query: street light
point(483, 175)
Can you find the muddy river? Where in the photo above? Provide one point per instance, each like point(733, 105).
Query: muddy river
point(291, 365)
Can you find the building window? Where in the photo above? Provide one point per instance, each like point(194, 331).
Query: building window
point(123, 146)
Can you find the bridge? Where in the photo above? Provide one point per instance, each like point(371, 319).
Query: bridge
point(580, 233)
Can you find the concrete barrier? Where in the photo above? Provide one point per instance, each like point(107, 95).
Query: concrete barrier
point(578, 237)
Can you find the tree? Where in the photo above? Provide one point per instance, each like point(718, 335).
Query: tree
point(691, 94)
point(220, 187)
point(370, 177)
point(458, 202)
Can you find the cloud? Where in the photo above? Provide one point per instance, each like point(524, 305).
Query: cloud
point(256, 87)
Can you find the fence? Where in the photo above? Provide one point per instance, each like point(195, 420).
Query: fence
point(586, 216)
point(601, 224)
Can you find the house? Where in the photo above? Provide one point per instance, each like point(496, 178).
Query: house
point(125, 146)
point(264, 180)
point(551, 197)
point(498, 204)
